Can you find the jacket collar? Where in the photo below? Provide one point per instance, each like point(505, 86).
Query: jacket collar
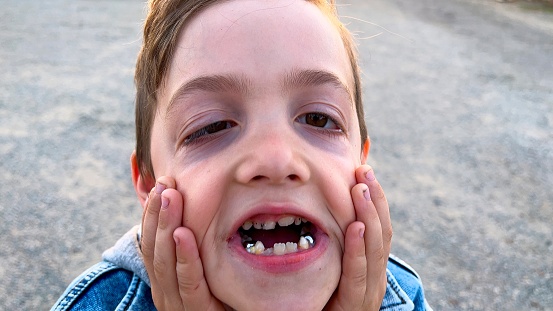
point(395, 299)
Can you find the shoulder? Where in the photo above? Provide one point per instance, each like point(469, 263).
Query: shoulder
point(404, 289)
point(106, 286)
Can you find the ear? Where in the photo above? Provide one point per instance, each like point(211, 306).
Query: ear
point(365, 150)
point(142, 185)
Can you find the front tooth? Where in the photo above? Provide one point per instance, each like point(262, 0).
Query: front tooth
point(259, 247)
point(291, 247)
point(269, 225)
point(279, 249)
point(303, 220)
point(297, 221)
point(286, 221)
point(247, 225)
point(303, 243)
point(257, 225)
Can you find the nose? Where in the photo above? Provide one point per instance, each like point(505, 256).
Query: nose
point(274, 157)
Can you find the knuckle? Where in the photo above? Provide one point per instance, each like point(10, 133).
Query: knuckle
point(380, 254)
point(159, 267)
point(359, 279)
point(146, 248)
point(151, 210)
point(380, 194)
point(387, 234)
point(188, 286)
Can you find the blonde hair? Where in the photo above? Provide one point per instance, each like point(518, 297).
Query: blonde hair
point(163, 23)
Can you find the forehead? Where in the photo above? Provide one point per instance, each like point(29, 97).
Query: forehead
point(260, 40)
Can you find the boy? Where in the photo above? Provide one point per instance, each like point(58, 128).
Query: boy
point(251, 112)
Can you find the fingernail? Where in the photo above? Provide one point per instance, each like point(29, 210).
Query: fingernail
point(367, 194)
point(164, 202)
point(160, 187)
point(362, 232)
point(370, 175)
point(177, 241)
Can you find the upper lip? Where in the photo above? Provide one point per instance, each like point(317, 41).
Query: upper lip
point(276, 209)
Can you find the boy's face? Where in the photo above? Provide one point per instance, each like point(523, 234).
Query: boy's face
point(256, 122)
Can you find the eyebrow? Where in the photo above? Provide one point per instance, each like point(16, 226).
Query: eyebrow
point(310, 78)
point(237, 84)
point(213, 84)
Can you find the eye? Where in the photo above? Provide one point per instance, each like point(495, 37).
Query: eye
point(207, 131)
point(319, 120)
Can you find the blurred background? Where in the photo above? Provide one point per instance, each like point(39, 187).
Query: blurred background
point(459, 107)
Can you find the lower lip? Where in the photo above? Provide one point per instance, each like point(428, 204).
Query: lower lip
point(278, 264)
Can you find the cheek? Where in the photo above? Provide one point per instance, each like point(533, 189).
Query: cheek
point(201, 201)
point(339, 180)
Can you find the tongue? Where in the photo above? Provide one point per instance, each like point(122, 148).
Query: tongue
point(277, 235)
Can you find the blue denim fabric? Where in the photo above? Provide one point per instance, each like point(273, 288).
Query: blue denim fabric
point(106, 286)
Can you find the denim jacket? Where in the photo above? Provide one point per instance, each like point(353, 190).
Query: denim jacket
point(120, 282)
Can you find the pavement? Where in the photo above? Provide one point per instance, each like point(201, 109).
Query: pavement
point(459, 107)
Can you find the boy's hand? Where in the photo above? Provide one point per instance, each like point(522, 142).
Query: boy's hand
point(171, 255)
point(367, 247)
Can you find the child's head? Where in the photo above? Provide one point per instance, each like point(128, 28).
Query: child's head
point(254, 108)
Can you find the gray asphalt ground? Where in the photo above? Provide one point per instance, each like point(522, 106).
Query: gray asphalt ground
point(459, 108)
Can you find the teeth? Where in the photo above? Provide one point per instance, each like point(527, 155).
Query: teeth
point(303, 243)
point(247, 225)
point(291, 247)
point(286, 221)
point(279, 249)
point(310, 240)
point(259, 247)
point(269, 225)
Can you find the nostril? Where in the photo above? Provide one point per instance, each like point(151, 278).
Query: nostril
point(293, 177)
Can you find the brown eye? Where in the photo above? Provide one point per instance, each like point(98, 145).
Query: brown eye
point(318, 120)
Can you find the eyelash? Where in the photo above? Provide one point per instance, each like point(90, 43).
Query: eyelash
point(214, 128)
point(207, 133)
point(331, 132)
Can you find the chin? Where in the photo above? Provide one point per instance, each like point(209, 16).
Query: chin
point(299, 281)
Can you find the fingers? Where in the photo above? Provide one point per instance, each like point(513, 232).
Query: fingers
point(150, 217)
point(375, 214)
point(170, 218)
point(193, 287)
point(365, 174)
point(149, 236)
point(170, 253)
point(367, 245)
point(353, 281)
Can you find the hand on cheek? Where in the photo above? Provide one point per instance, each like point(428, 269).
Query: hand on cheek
point(367, 247)
point(171, 255)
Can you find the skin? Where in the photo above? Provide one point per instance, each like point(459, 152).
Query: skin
point(262, 141)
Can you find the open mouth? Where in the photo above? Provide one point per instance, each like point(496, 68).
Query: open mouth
point(278, 236)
